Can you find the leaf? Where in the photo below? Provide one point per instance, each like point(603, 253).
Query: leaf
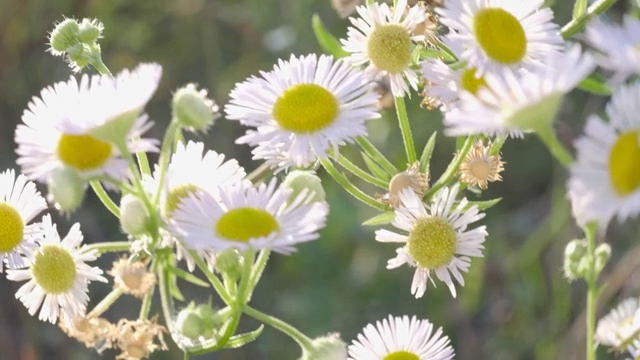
point(594, 85)
point(381, 219)
point(173, 288)
point(375, 169)
point(237, 341)
point(327, 41)
point(188, 277)
point(483, 205)
point(425, 158)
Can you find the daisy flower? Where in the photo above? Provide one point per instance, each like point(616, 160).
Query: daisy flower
point(58, 278)
point(246, 216)
point(438, 239)
point(621, 325)
point(444, 84)
point(401, 338)
point(20, 203)
point(302, 108)
point(617, 46)
point(499, 34)
point(511, 102)
point(382, 39)
point(604, 179)
point(85, 125)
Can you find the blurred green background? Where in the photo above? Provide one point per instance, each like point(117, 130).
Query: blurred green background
point(515, 305)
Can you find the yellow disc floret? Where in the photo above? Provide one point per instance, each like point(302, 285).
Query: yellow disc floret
point(305, 108)
point(245, 223)
point(624, 163)
point(176, 195)
point(389, 48)
point(432, 242)
point(500, 35)
point(11, 227)
point(401, 355)
point(470, 82)
point(54, 269)
point(83, 152)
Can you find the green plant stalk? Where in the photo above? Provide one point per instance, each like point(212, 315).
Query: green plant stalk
point(215, 282)
point(497, 144)
point(376, 155)
point(145, 307)
point(592, 290)
point(170, 138)
point(165, 297)
point(105, 303)
point(355, 170)
point(258, 268)
point(576, 25)
point(452, 169)
point(104, 198)
point(292, 332)
point(258, 173)
point(549, 138)
point(101, 67)
point(104, 247)
point(349, 187)
point(405, 129)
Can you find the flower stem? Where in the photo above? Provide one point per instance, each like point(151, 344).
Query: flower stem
point(452, 169)
point(405, 129)
point(101, 67)
point(105, 303)
point(104, 198)
point(258, 173)
point(258, 268)
point(292, 332)
point(215, 282)
point(376, 155)
point(576, 25)
point(351, 189)
point(104, 247)
point(355, 170)
point(549, 138)
point(165, 297)
point(592, 290)
point(145, 307)
point(168, 144)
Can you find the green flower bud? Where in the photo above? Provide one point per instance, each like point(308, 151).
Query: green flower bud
point(189, 323)
point(298, 180)
point(63, 36)
point(329, 347)
point(230, 263)
point(134, 215)
point(90, 31)
point(66, 189)
point(602, 255)
point(192, 109)
point(575, 264)
point(79, 56)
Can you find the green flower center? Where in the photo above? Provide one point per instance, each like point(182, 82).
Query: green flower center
point(500, 35)
point(245, 223)
point(432, 242)
point(401, 355)
point(83, 152)
point(305, 108)
point(470, 82)
point(54, 269)
point(11, 227)
point(176, 195)
point(624, 163)
point(389, 48)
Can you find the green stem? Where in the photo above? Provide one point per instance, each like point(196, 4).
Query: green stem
point(497, 144)
point(165, 297)
point(349, 187)
point(258, 173)
point(576, 25)
point(258, 268)
point(104, 198)
point(213, 279)
point(245, 289)
point(105, 303)
point(295, 334)
point(168, 144)
point(592, 290)
point(145, 307)
point(355, 170)
point(104, 247)
point(452, 169)
point(376, 155)
point(101, 67)
point(405, 129)
point(549, 138)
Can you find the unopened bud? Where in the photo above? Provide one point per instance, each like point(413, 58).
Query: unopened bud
point(193, 109)
point(298, 180)
point(230, 263)
point(602, 256)
point(63, 36)
point(79, 56)
point(329, 347)
point(189, 323)
point(133, 215)
point(575, 264)
point(66, 189)
point(90, 31)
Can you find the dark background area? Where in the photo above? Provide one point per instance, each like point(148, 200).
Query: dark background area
point(516, 303)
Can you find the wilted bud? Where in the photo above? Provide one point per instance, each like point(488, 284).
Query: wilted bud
point(602, 256)
point(63, 36)
point(575, 264)
point(90, 31)
point(66, 189)
point(328, 347)
point(193, 109)
point(230, 263)
point(298, 180)
point(133, 215)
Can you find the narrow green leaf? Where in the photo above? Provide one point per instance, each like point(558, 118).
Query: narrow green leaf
point(595, 86)
point(375, 168)
point(188, 277)
point(237, 341)
point(173, 288)
point(327, 41)
point(381, 219)
point(483, 205)
point(579, 9)
point(425, 158)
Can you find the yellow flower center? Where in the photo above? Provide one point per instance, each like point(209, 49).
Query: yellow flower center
point(176, 195)
point(389, 48)
point(470, 82)
point(83, 152)
point(500, 35)
point(245, 223)
point(401, 355)
point(305, 108)
point(54, 269)
point(11, 228)
point(432, 242)
point(624, 163)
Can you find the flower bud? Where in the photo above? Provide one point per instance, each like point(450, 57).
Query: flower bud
point(192, 109)
point(90, 31)
point(230, 263)
point(575, 264)
point(602, 256)
point(133, 215)
point(63, 36)
point(189, 323)
point(79, 56)
point(66, 189)
point(298, 180)
point(329, 347)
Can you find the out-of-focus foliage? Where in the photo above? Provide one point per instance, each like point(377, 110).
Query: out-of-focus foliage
point(515, 305)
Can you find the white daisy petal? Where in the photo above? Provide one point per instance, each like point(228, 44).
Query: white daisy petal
point(617, 327)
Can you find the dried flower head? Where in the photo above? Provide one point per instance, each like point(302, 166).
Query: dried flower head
point(428, 28)
point(410, 178)
point(94, 332)
point(135, 338)
point(132, 278)
point(479, 166)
